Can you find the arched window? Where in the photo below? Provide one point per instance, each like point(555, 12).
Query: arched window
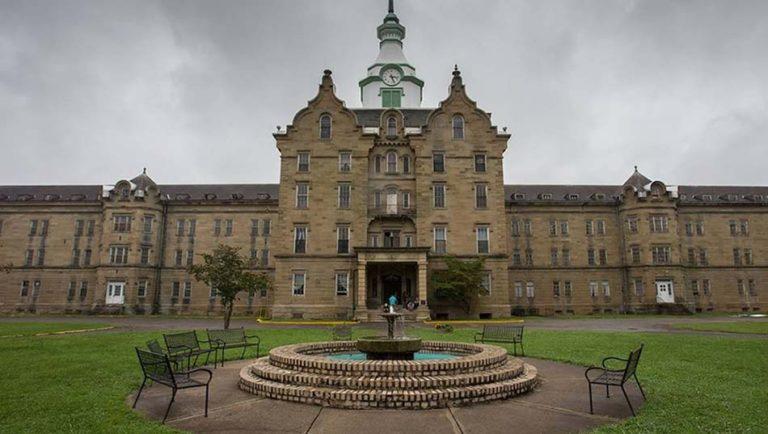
point(391, 126)
point(325, 126)
point(458, 127)
point(391, 162)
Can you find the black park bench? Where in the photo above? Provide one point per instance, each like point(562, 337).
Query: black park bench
point(507, 334)
point(186, 344)
point(615, 377)
point(225, 339)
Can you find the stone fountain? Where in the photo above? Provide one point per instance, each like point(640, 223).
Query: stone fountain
point(389, 347)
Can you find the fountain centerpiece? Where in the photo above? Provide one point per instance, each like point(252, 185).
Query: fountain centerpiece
point(389, 347)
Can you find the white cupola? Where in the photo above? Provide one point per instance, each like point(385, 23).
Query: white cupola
point(391, 80)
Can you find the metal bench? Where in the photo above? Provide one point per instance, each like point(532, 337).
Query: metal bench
point(508, 334)
point(342, 333)
point(177, 359)
point(157, 368)
point(187, 345)
point(225, 339)
point(616, 377)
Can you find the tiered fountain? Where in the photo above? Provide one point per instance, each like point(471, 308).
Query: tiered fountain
point(390, 371)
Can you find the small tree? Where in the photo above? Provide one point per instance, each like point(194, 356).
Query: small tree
point(226, 271)
point(461, 282)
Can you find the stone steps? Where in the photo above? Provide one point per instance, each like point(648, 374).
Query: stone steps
point(434, 397)
point(263, 369)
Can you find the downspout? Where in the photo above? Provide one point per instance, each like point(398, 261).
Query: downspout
point(161, 262)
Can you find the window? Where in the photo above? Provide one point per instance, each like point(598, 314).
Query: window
point(406, 164)
point(480, 163)
point(32, 228)
point(481, 195)
point(29, 256)
point(483, 243)
point(736, 256)
point(439, 195)
point(302, 195)
point(752, 287)
point(589, 227)
point(229, 227)
point(438, 162)
point(175, 291)
point(440, 234)
point(40, 257)
point(391, 126)
point(75, 257)
point(406, 199)
point(374, 240)
point(530, 291)
point(516, 258)
point(748, 256)
point(593, 289)
point(705, 286)
point(145, 255)
point(377, 164)
point(345, 189)
point(743, 225)
point(515, 228)
point(553, 228)
point(661, 254)
point(345, 161)
point(83, 290)
point(342, 283)
point(639, 289)
point(300, 239)
point(689, 229)
point(179, 228)
point(90, 228)
point(740, 286)
point(659, 223)
point(458, 127)
point(553, 255)
point(254, 255)
point(264, 257)
point(691, 256)
point(391, 162)
point(44, 227)
point(695, 287)
point(529, 257)
point(87, 257)
point(302, 161)
point(566, 256)
point(71, 290)
point(325, 127)
point(409, 241)
point(518, 289)
point(118, 255)
point(254, 227)
point(699, 228)
point(635, 254)
point(24, 288)
point(217, 227)
point(591, 256)
point(147, 224)
point(266, 227)
point(141, 289)
point(485, 283)
point(187, 292)
point(342, 239)
point(564, 228)
point(528, 227)
point(79, 227)
point(122, 223)
point(606, 288)
point(603, 255)
point(567, 288)
point(390, 97)
point(702, 256)
point(179, 257)
point(298, 286)
point(190, 257)
point(632, 224)
point(600, 227)
point(556, 288)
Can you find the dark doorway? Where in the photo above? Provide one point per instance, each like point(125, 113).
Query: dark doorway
point(392, 284)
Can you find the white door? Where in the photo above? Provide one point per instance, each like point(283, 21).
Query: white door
point(115, 292)
point(665, 292)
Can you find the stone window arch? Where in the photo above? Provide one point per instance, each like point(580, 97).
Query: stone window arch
point(391, 162)
point(458, 127)
point(391, 126)
point(325, 126)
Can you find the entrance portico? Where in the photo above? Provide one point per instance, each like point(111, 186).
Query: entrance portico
point(386, 271)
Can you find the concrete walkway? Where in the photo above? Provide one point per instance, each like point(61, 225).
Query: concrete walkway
point(559, 404)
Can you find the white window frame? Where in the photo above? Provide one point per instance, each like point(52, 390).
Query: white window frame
point(342, 156)
point(444, 189)
point(339, 230)
point(341, 187)
point(339, 274)
point(481, 188)
point(485, 162)
point(487, 283)
point(444, 229)
point(305, 195)
point(303, 275)
point(296, 230)
point(487, 230)
point(299, 156)
point(530, 290)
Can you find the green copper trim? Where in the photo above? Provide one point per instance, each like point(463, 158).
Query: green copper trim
point(374, 78)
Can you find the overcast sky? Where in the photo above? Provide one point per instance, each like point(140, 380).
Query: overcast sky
point(92, 91)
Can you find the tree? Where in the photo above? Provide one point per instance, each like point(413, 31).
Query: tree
point(460, 282)
point(6, 268)
point(228, 272)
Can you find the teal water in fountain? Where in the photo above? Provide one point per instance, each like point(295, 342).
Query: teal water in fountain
point(421, 355)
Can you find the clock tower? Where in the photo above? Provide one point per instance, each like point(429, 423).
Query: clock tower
point(391, 80)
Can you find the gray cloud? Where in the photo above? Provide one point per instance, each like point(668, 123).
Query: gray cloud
point(91, 92)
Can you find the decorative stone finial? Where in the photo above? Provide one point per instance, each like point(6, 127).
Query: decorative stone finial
point(145, 171)
point(327, 72)
point(635, 167)
point(391, 9)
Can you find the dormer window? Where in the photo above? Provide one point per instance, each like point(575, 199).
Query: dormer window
point(391, 162)
point(391, 127)
point(706, 197)
point(458, 127)
point(519, 196)
point(546, 196)
point(572, 196)
point(325, 126)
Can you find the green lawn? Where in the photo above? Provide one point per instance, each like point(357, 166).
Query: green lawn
point(33, 328)
point(695, 383)
point(747, 326)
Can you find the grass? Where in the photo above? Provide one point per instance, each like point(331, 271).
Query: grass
point(749, 327)
point(33, 328)
point(695, 383)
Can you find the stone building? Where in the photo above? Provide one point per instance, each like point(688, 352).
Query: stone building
point(370, 201)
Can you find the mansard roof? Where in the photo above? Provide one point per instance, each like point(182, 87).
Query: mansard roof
point(372, 117)
point(704, 194)
point(50, 193)
point(219, 192)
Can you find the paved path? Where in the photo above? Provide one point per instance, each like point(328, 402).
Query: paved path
point(559, 404)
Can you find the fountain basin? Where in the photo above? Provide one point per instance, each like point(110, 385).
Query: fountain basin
point(385, 348)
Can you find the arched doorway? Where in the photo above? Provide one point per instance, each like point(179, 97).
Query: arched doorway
point(392, 284)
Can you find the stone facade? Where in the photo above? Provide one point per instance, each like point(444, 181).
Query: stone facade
point(369, 203)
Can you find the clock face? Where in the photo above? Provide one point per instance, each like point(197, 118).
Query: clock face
point(391, 76)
